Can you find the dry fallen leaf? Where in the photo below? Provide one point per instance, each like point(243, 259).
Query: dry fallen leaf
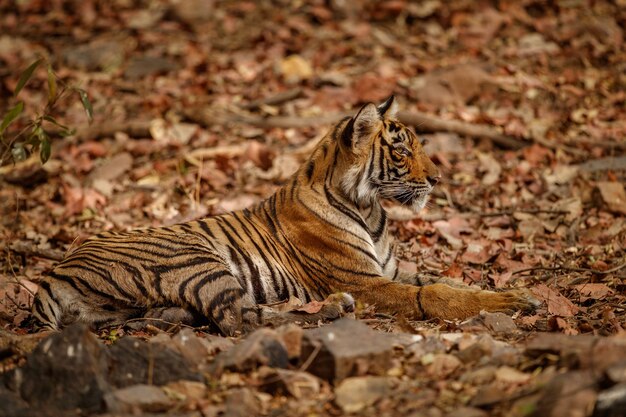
point(557, 304)
point(613, 195)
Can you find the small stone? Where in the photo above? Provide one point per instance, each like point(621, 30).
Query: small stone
point(198, 349)
point(467, 412)
point(144, 66)
point(498, 322)
point(334, 355)
point(300, 385)
point(103, 55)
point(356, 393)
point(263, 347)
point(137, 398)
point(510, 375)
point(443, 365)
point(291, 335)
point(241, 402)
point(186, 390)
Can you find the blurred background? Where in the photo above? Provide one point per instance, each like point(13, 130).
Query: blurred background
point(201, 107)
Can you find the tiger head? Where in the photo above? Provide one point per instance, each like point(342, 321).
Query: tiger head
point(384, 159)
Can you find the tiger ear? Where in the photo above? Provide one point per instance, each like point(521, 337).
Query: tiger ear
point(361, 125)
point(389, 108)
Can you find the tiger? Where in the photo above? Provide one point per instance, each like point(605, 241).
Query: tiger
point(321, 236)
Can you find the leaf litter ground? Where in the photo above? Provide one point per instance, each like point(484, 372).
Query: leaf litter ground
point(549, 216)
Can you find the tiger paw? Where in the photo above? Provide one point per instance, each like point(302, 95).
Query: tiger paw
point(445, 302)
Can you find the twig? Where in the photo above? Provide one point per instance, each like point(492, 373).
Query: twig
point(424, 122)
point(527, 211)
point(133, 128)
point(570, 268)
point(274, 100)
point(429, 123)
point(27, 248)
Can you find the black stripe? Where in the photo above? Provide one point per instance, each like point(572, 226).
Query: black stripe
point(336, 204)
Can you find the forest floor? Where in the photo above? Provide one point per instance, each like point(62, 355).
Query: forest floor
point(203, 107)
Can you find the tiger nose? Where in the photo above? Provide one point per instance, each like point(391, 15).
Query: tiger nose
point(433, 180)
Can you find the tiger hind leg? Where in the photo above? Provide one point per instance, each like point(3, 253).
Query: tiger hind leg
point(333, 307)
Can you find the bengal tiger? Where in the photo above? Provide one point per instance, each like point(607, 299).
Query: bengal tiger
point(324, 233)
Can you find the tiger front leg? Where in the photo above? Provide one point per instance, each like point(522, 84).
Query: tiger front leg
point(445, 302)
point(436, 300)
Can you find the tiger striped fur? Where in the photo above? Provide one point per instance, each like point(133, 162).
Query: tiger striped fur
point(322, 233)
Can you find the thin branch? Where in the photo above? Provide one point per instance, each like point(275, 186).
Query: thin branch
point(27, 248)
point(274, 100)
point(571, 269)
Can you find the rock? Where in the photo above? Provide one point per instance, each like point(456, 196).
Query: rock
point(143, 66)
point(186, 390)
point(617, 372)
point(510, 375)
point(571, 394)
point(137, 398)
point(98, 55)
point(443, 365)
point(192, 12)
point(498, 322)
point(263, 347)
point(241, 402)
point(113, 167)
point(611, 402)
point(356, 393)
point(291, 335)
point(199, 349)
point(133, 361)
point(66, 371)
point(346, 348)
point(12, 405)
point(300, 385)
point(467, 412)
point(489, 394)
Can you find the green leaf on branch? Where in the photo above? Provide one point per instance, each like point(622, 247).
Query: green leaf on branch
point(11, 116)
point(44, 152)
point(52, 85)
point(28, 72)
point(86, 103)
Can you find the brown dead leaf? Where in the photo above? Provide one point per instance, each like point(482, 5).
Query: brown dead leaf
point(613, 195)
point(480, 251)
point(557, 304)
point(490, 166)
point(451, 230)
point(595, 291)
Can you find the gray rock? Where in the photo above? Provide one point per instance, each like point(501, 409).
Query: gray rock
point(294, 383)
point(611, 402)
point(94, 56)
point(11, 405)
point(133, 361)
point(143, 66)
point(346, 348)
point(241, 402)
point(263, 347)
point(66, 371)
point(137, 398)
point(354, 394)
